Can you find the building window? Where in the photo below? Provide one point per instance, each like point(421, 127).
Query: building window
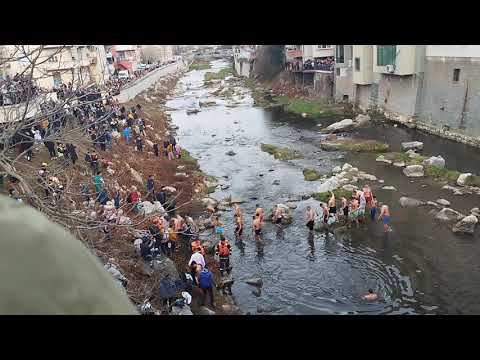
point(338, 71)
point(386, 55)
point(357, 64)
point(323, 46)
point(340, 54)
point(456, 75)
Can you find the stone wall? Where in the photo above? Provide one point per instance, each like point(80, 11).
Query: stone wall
point(445, 102)
point(323, 85)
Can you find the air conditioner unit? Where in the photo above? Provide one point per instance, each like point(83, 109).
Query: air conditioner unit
point(390, 69)
point(349, 63)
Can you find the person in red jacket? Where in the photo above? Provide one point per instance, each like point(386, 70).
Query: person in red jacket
point(223, 251)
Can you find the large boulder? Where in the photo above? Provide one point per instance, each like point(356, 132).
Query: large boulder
point(412, 154)
point(443, 202)
point(236, 200)
point(207, 201)
point(466, 225)
point(463, 178)
point(329, 184)
point(255, 281)
point(413, 171)
point(164, 267)
point(336, 169)
point(340, 126)
point(346, 167)
point(417, 145)
point(362, 120)
point(266, 308)
point(410, 202)
point(449, 215)
point(389, 187)
point(435, 160)
point(475, 211)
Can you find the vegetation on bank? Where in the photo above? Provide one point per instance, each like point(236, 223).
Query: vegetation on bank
point(325, 196)
point(189, 158)
point(473, 180)
point(357, 145)
point(222, 74)
point(280, 152)
point(199, 65)
point(311, 107)
point(400, 156)
point(311, 175)
point(442, 174)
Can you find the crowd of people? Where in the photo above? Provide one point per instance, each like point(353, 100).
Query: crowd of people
point(17, 89)
point(325, 64)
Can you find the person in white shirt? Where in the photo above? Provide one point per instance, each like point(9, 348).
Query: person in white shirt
point(198, 258)
point(196, 264)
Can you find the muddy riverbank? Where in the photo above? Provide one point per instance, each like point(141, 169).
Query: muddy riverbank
point(416, 269)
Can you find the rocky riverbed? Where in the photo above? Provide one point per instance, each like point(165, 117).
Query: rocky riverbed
point(328, 272)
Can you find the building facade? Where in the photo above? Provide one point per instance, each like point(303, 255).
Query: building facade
point(55, 65)
point(243, 57)
point(437, 86)
point(160, 53)
point(311, 68)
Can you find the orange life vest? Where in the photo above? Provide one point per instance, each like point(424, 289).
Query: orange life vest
point(223, 249)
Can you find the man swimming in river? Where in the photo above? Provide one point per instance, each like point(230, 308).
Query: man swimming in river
point(238, 225)
point(278, 216)
point(311, 216)
point(370, 296)
point(257, 226)
point(260, 213)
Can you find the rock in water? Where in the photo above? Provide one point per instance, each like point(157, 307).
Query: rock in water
point(336, 169)
point(412, 145)
point(414, 171)
point(435, 160)
point(475, 211)
point(231, 153)
point(362, 120)
point(339, 126)
point(463, 178)
point(466, 225)
point(389, 188)
point(257, 292)
point(276, 182)
point(410, 202)
point(257, 281)
point(382, 158)
point(291, 205)
point(399, 164)
point(443, 202)
point(266, 308)
point(449, 215)
point(236, 200)
point(346, 167)
point(203, 310)
point(206, 201)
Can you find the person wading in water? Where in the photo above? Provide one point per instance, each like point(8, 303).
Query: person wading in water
point(385, 217)
point(278, 216)
point(257, 226)
point(311, 216)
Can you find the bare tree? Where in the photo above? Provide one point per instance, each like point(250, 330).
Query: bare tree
point(34, 114)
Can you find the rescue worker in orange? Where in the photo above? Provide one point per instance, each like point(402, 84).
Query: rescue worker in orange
point(223, 250)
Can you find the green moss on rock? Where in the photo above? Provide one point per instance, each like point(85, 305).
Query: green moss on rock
point(357, 145)
point(311, 175)
point(280, 152)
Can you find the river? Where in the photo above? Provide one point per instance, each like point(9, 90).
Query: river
point(419, 268)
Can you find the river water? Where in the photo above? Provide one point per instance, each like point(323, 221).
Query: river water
point(419, 268)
